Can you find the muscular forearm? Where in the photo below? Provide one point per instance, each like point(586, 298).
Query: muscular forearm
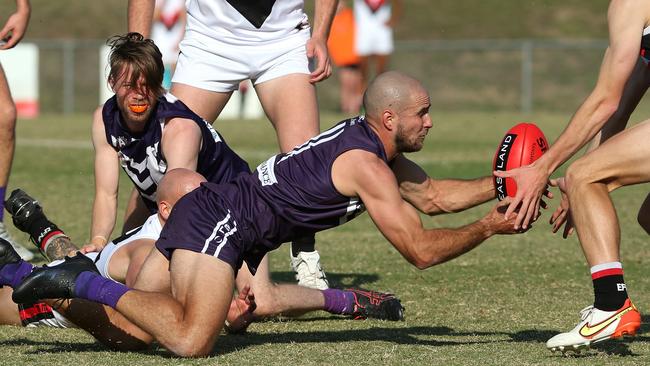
point(585, 124)
point(457, 195)
point(140, 15)
point(323, 15)
point(104, 213)
point(440, 245)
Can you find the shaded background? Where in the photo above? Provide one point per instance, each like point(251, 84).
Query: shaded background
point(565, 39)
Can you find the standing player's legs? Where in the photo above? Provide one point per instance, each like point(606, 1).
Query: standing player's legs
point(207, 104)
point(7, 147)
point(620, 161)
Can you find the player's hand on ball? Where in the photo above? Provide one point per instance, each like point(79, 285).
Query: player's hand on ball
point(497, 222)
point(562, 215)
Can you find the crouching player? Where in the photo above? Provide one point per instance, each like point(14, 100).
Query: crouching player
point(357, 164)
point(122, 259)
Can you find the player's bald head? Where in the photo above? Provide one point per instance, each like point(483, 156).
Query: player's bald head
point(390, 90)
point(176, 183)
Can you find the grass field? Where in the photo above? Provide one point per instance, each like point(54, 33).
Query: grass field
point(496, 305)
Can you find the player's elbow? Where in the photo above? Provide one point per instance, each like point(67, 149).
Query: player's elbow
point(436, 204)
point(423, 259)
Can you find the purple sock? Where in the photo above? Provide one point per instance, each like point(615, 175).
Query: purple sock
point(93, 287)
point(12, 274)
point(338, 301)
point(2, 202)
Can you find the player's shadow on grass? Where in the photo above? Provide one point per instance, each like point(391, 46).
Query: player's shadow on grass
point(336, 280)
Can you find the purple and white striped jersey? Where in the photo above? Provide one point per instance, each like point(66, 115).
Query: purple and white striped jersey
point(141, 156)
point(291, 195)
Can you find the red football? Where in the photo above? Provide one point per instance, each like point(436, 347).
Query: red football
point(522, 145)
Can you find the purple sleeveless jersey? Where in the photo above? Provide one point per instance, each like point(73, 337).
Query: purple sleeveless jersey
point(291, 195)
point(141, 156)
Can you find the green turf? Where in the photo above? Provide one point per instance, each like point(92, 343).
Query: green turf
point(496, 305)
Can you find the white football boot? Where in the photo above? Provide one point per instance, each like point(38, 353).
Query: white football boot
point(308, 271)
point(598, 326)
point(23, 252)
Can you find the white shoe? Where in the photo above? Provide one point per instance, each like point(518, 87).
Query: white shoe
point(23, 252)
point(308, 271)
point(597, 326)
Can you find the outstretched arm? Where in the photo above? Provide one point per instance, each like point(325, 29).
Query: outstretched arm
point(626, 22)
point(360, 173)
point(436, 196)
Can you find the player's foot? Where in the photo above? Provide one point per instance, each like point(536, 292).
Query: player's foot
point(377, 305)
point(597, 326)
point(56, 282)
point(308, 271)
point(23, 252)
point(7, 253)
point(23, 209)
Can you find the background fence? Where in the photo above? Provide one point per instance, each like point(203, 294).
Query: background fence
point(500, 75)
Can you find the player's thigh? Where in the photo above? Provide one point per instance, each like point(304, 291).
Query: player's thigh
point(620, 161)
point(207, 104)
point(259, 282)
point(154, 274)
point(8, 309)
point(136, 212)
point(204, 285)
point(290, 103)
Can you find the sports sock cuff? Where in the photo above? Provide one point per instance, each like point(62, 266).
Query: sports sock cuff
point(606, 269)
point(42, 230)
point(338, 301)
point(91, 286)
point(303, 244)
point(12, 274)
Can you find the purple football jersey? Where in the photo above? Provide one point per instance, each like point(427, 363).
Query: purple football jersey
point(291, 195)
point(141, 156)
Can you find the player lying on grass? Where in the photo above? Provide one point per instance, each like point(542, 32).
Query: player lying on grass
point(358, 164)
point(122, 259)
point(147, 134)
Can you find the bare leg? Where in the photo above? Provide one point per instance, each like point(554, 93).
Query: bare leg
point(290, 103)
point(188, 323)
point(108, 325)
point(7, 130)
point(274, 299)
point(8, 309)
point(382, 63)
point(620, 161)
point(205, 103)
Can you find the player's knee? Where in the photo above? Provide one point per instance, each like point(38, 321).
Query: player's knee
point(192, 346)
point(576, 176)
point(7, 121)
